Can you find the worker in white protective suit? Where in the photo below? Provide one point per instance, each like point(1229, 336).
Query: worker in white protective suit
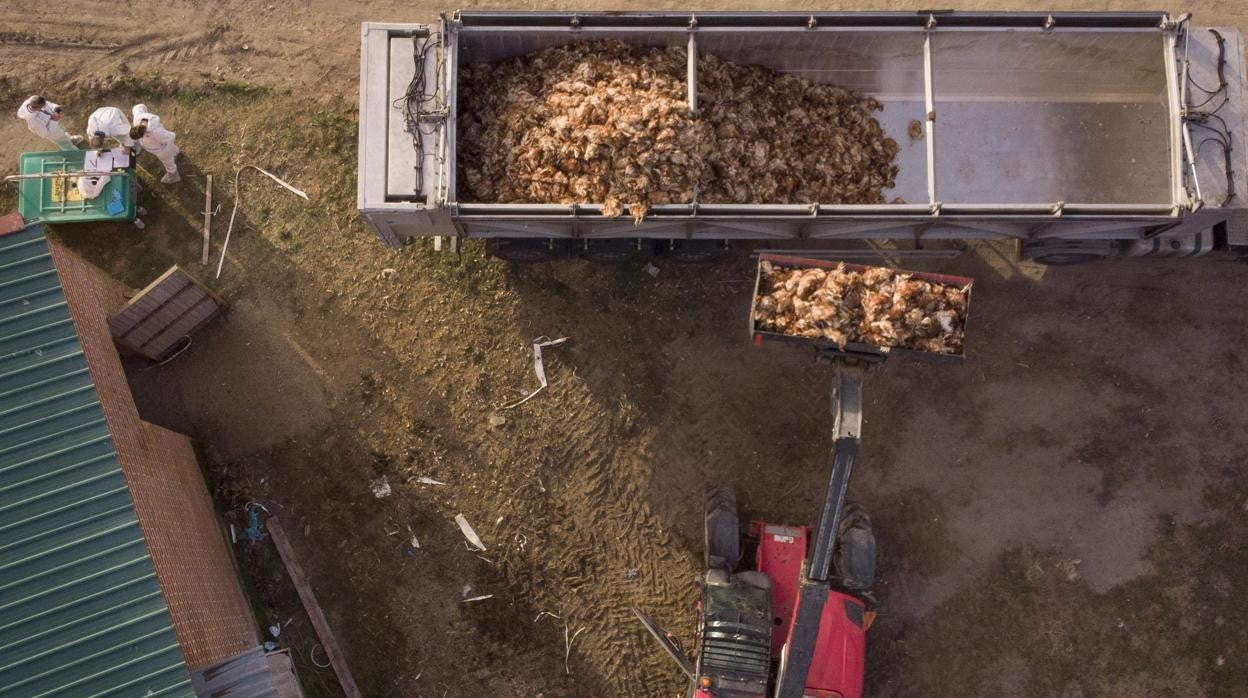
point(109, 122)
point(43, 118)
point(153, 137)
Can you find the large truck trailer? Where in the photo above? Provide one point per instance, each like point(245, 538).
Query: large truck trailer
point(1082, 135)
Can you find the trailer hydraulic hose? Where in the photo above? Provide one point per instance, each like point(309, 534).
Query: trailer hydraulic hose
point(1201, 119)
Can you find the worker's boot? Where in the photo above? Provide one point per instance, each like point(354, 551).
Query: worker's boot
point(170, 178)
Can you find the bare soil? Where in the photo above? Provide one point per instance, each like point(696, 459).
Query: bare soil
point(1063, 514)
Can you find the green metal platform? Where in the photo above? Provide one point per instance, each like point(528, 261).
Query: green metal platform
point(56, 200)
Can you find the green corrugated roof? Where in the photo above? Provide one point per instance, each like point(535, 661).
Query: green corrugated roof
point(81, 613)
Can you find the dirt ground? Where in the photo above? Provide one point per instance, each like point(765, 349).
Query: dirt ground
point(1066, 513)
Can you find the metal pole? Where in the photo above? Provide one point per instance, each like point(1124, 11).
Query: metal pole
point(1191, 157)
point(1183, 102)
point(692, 72)
point(1177, 150)
point(60, 175)
point(1187, 65)
point(929, 118)
point(207, 219)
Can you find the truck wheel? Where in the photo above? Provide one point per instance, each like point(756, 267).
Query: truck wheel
point(1067, 260)
point(613, 250)
point(1058, 252)
point(722, 531)
point(526, 250)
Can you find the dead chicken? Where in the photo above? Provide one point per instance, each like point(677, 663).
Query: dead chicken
point(604, 122)
point(876, 306)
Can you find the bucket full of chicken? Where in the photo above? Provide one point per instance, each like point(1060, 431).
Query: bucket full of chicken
point(860, 309)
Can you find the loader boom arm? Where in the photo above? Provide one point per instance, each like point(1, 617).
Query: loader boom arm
point(813, 588)
point(846, 432)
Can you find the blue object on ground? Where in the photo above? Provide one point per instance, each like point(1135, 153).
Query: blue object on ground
point(253, 532)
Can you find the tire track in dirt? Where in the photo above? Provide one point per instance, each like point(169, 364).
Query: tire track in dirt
point(601, 549)
point(89, 63)
point(28, 40)
point(147, 49)
point(561, 497)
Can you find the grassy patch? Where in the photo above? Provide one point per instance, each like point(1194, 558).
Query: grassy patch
point(332, 131)
point(471, 272)
point(145, 88)
point(8, 197)
point(236, 91)
point(231, 88)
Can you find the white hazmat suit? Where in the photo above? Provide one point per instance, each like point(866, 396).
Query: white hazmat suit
point(41, 123)
point(158, 141)
point(111, 122)
point(95, 161)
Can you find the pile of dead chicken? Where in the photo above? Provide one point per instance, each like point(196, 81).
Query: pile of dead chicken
point(603, 122)
point(592, 122)
point(877, 306)
point(782, 140)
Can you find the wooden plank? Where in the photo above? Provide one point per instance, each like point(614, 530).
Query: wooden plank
point(165, 315)
point(310, 605)
point(184, 326)
point(159, 280)
point(170, 288)
point(207, 218)
point(177, 305)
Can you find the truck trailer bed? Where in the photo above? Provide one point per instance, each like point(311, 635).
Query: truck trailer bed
point(1034, 125)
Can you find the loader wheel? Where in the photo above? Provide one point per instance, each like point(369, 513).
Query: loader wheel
point(855, 549)
point(722, 532)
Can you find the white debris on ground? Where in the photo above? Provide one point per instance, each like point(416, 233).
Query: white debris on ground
point(469, 533)
point(877, 306)
point(380, 487)
point(608, 123)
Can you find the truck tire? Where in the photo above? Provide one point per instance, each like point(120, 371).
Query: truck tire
point(526, 250)
point(613, 250)
point(1068, 259)
point(722, 530)
point(1059, 252)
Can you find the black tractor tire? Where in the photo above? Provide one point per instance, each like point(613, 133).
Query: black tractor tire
point(722, 529)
